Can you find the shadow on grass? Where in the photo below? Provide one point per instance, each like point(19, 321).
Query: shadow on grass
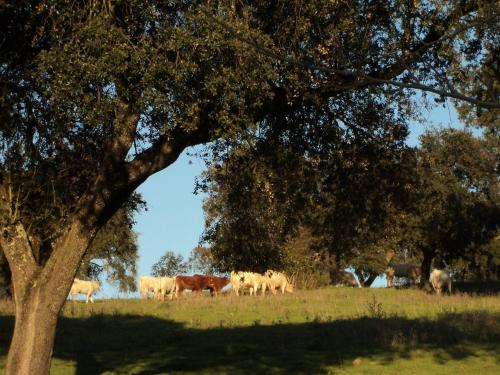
point(486, 288)
point(140, 344)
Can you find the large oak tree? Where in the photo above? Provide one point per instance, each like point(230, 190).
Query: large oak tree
point(96, 96)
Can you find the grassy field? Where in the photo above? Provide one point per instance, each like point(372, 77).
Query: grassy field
point(327, 331)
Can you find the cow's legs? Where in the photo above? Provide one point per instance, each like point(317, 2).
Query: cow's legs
point(178, 290)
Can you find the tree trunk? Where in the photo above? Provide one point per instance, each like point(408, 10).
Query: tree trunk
point(39, 293)
point(369, 281)
point(30, 350)
point(426, 269)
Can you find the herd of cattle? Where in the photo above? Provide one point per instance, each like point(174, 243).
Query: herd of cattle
point(271, 280)
point(174, 286)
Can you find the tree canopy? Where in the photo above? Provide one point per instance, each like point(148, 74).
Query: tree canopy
point(170, 265)
point(96, 96)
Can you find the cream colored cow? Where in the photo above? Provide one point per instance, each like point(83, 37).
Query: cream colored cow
point(159, 286)
point(84, 287)
point(167, 286)
point(440, 280)
point(252, 280)
point(148, 284)
point(279, 280)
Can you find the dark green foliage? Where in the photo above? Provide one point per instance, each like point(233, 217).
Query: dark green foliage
point(341, 183)
point(79, 77)
point(114, 251)
point(88, 86)
point(170, 265)
point(454, 211)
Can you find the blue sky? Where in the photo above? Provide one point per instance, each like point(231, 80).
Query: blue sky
point(174, 220)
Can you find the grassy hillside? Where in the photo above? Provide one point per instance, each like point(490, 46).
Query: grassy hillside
point(328, 331)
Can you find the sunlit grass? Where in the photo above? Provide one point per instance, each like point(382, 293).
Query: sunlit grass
point(327, 331)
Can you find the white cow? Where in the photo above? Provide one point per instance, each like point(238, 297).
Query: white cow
point(252, 280)
point(149, 284)
point(159, 286)
point(167, 286)
point(84, 287)
point(439, 279)
point(279, 280)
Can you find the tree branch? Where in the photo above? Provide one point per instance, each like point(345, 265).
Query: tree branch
point(358, 79)
point(16, 246)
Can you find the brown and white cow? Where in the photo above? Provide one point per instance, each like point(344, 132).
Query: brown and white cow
point(409, 271)
point(279, 280)
point(440, 280)
point(343, 278)
point(198, 283)
point(217, 283)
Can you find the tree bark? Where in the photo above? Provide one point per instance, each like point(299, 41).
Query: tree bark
point(426, 268)
point(369, 281)
point(39, 292)
point(30, 350)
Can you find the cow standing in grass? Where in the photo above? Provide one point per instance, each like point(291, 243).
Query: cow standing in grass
point(440, 280)
point(217, 284)
point(84, 287)
point(167, 286)
point(195, 283)
point(251, 280)
point(279, 281)
point(409, 271)
point(159, 286)
point(149, 284)
point(343, 278)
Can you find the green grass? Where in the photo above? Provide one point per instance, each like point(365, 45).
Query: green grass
point(328, 331)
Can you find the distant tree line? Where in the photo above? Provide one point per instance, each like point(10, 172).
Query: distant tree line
point(274, 203)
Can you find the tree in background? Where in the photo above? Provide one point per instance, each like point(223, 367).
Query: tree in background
point(96, 96)
point(279, 199)
point(454, 210)
point(201, 260)
point(170, 265)
point(309, 266)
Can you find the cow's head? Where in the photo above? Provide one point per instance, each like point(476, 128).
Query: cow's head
point(390, 271)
